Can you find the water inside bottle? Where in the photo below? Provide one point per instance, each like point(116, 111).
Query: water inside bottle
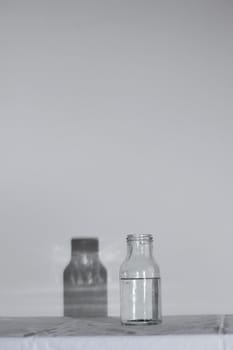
point(140, 300)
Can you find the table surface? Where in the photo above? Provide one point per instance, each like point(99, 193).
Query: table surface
point(175, 332)
point(65, 326)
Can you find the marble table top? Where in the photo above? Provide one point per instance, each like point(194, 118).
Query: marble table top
point(176, 332)
point(65, 326)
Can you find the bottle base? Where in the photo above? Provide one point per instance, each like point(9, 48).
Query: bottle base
point(140, 322)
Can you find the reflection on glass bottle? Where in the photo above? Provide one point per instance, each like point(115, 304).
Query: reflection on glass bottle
point(140, 301)
point(85, 281)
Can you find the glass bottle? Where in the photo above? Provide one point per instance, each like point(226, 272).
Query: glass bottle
point(140, 285)
point(85, 281)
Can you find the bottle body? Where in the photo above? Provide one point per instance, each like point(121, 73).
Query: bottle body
point(140, 284)
point(85, 281)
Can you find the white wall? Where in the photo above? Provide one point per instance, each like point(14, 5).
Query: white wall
point(116, 117)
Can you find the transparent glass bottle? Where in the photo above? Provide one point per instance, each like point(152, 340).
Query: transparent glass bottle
point(85, 281)
point(140, 285)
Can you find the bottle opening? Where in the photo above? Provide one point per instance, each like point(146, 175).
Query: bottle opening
point(139, 237)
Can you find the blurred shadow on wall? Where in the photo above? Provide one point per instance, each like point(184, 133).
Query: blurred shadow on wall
point(85, 280)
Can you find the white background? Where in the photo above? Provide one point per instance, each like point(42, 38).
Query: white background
point(116, 117)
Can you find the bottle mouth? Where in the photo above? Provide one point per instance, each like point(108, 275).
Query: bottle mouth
point(139, 237)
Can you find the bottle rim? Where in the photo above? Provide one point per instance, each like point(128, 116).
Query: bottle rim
point(140, 237)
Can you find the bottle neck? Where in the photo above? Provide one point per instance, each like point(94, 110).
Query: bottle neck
point(139, 249)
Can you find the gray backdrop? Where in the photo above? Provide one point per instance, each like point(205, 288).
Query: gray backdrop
point(116, 117)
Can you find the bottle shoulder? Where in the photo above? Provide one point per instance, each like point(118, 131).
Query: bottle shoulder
point(68, 267)
point(139, 268)
point(77, 273)
point(103, 272)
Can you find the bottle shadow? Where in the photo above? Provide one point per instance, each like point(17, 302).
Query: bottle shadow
point(85, 280)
